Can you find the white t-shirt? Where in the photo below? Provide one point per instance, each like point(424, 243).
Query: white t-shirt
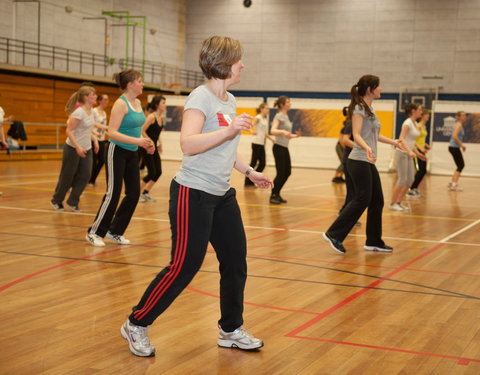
point(412, 134)
point(83, 132)
point(261, 130)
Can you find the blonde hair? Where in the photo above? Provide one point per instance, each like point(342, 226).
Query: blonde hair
point(261, 107)
point(78, 97)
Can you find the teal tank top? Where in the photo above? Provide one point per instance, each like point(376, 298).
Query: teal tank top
point(131, 125)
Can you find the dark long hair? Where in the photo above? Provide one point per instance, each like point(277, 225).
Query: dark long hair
point(359, 90)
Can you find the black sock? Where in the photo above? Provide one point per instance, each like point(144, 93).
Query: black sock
point(145, 192)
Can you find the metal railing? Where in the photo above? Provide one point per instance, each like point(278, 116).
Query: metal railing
point(165, 75)
point(20, 52)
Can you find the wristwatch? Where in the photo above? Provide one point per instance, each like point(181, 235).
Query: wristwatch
point(248, 171)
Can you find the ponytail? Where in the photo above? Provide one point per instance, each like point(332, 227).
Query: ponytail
point(359, 90)
point(78, 97)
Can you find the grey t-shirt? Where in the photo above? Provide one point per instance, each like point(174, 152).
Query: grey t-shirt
point(210, 170)
point(284, 123)
point(83, 132)
point(369, 133)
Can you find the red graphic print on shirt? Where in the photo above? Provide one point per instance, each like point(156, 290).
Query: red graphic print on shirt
point(221, 120)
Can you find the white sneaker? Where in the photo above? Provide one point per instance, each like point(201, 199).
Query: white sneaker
point(146, 197)
point(405, 208)
point(454, 187)
point(137, 338)
point(94, 239)
point(117, 238)
point(396, 207)
point(239, 338)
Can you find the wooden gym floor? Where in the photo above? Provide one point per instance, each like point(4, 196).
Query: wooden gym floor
point(415, 311)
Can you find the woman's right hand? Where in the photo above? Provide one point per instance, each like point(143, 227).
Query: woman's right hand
point(147, 144)
point(464, 148)
point(81, 151)
point(370, 155)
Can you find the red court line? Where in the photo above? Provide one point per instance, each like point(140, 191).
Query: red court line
point(461, 360)
point(361, 292)
point(262, 256)
point(295, 333)
point(6, 286)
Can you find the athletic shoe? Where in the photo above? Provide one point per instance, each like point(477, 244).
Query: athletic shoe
point(94, 239)
point(74, 208)
point(396, 207)
point(117, 238)
point(142, 199)
point(57, 206)
point(454, 187)
point(275, 199)
point(281, 199)
point(413, 194)
point(137, 338)
point(384, 248)
point(334, 244)
point(405, 208)
point(146, 197)
point(239, 338)
point(338, 180)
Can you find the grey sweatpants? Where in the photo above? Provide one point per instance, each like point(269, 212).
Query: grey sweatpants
point(405, 168)
point(75, 173)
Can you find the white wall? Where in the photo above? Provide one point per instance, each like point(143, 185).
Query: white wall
point(326, 45)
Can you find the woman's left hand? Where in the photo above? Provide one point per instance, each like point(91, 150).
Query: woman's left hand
point(261, 180)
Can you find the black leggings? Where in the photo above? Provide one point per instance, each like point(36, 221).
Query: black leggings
point(457, 157)
point(421, 172)
point(258, 160)
point(283, 166)
point(154, 166)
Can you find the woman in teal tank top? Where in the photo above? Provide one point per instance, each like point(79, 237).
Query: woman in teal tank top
point(125, 133)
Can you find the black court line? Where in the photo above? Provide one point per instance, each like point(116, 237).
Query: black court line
point(450, 294)
point(366, 275)
point(75, 239)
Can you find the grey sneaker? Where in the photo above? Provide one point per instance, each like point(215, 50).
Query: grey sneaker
point(137, 338)
point(74, 208)
point(382, 248)
point(117, 238)
point(239, 338)
point(56, 206)
point(94, 239)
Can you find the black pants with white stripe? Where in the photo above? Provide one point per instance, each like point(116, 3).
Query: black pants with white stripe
point(121, 167)
point(196, 218)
